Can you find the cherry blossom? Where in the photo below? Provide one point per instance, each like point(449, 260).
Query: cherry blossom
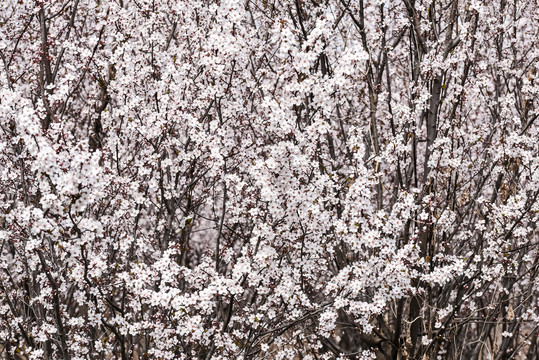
point(315, 179)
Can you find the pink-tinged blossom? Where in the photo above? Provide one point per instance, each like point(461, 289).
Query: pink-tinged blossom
point(324, 179)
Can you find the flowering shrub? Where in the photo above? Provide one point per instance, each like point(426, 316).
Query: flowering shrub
point(260, 179)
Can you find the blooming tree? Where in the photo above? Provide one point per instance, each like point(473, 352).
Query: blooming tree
point(263, 179)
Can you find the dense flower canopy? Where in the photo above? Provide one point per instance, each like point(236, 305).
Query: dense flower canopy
point(269, 179)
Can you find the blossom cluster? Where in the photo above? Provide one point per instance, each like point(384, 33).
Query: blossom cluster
point(224, 179)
